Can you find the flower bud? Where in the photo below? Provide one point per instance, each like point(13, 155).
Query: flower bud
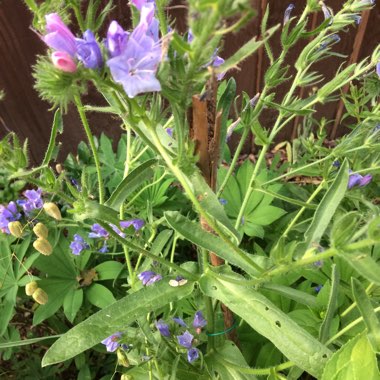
point(43, 246)
point(31, 287)
point(52, 210)
point(59, 168)
point(15, 228)
point(40, 296)
point(63, 61)
point(122, 358)
point(41, 230)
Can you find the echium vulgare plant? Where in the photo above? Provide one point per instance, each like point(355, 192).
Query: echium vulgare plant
point(168, 263)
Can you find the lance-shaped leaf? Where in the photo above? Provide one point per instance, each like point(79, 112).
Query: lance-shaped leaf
point(263, 316)
point(57, 127)
point(130, 183)
point(193, 232)
point(366, 310)
point(245, 51)
point(115, 317)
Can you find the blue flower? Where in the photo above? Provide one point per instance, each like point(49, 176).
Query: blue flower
point(32, 202)
point(356, 179)
point(287, 13)
point(88, 51)
point(185, 339)
point(327, 13)
point(8, 214)
point(136, 223)
point(104, 248)
point(98, 232)
point(117, 39)
point(163, 328)
point(378, 69)
point(180, 321)
point(318, 288)
point(192, 354)
point(117, 230)
point(78, 245)
point(149, 277)
point(223, 201)
point(169, 131)
point(111, 342)
point(199, 320)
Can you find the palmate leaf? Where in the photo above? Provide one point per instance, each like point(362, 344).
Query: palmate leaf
point(115, 317)
point(263, 316)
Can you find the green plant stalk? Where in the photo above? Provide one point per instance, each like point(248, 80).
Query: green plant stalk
point(258, 371)
point(348, 327)
point(301, 211)
point(179, 175)
point(131, 272)
point(353, 305)
point(91, 141)
point(78, 15)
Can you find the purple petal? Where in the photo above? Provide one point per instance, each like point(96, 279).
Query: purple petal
point(199, 320)
point(88, 51)
point(185, 339)
point(180, 321)
point(192, 354)
point(365, 180)
point(163, 328)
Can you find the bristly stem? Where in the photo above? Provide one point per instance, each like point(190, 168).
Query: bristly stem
point(91, 141)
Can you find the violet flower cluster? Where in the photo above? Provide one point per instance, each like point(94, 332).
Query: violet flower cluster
point(149, 277)
point(186, 339)
point(31, 201)
point(98, 232)
point(357, 180)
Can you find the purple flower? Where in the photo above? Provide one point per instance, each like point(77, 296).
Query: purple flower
point(149, 277)
point(169, 131)
point(180, 321)
point(318, 288)
point(378, 69)
point(336, 163)
point(326, 12)
point(148, 25)
point(318, 264)
point(117, 39)
point(8, 214)
point(136, 223)
point(358, 180)
point(116, 229)
point(59, 36)
point(199, 320)
point(192, 354)
point(139, 3)
point(163, 328)
point(111, 342)
point(78, 245)
point(218, 61)
point(88, 51)
point(135, 69)
point(223, 201)
point(185, 339)
point(63, 61)
point(287, 13)
point(32, 202)
point(104, 248)
point(98, 232)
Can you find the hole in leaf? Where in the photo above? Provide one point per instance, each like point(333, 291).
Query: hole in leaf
point(266, 308)
point(214, 287)
point(278, 323)
point(324, 356)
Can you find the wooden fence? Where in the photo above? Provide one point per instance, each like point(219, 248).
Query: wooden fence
point(23, 112)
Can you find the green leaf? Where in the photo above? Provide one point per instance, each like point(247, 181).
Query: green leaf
point(324, 332)
point(100, 296)
point(57, 127)
point(245, 51)
point(26, 342)
point(228, 362)
point(130, 183)
point(115, 317)
point(109, 270)
point(355, 361)
point(72, 303)
point(263, 316)
point(211, 204)
point(193, 232)
point(363, 264)
point(264, 215)
point(327, 207)
point(343, 229)
point(366, 310)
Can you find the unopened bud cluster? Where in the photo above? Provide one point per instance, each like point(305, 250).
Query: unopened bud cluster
point(38, 294)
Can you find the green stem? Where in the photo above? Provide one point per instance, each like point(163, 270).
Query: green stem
point(353, 305)
point(347, 328)
point(91, 141)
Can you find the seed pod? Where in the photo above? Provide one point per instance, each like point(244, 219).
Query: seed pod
point(122, 358)
point(15, 228)
point(40, 296)
point(59, 168)
point(31, 287)
point(41, 230)
point(52, 210)
point(43, 246)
